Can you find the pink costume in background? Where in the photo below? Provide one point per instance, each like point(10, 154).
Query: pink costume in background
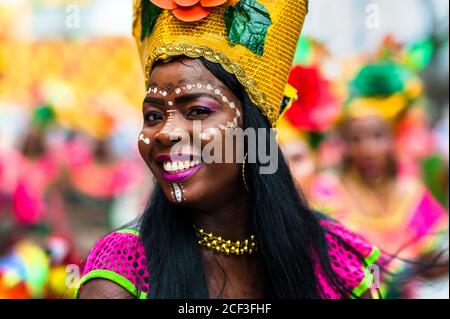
point(415, 227)
point(99, 179)
point(410, 231)
point(33, 180)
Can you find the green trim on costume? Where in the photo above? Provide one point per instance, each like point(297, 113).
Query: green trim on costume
point(368, 279)
point(365, 284)
point(373, 257)
point(128, 231)
point(111, 276)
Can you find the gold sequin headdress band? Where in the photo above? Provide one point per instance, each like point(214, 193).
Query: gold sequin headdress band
point(253, 39)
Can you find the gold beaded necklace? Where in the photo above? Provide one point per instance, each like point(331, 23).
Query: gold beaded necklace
point(227, 247)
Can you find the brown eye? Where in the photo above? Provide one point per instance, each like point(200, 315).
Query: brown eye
point(199, 112)
point(153, 117)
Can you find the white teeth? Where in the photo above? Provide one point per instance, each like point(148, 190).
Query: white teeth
point(179, 166)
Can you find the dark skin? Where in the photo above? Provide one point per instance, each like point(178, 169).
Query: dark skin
point(102, 152)
point(369, 150)
point(370, 146)
point(34, 144)
point(215, 195)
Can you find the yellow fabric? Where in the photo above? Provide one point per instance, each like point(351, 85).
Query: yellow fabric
point(287, 133)
point(387, 108)
point(290, 92)
point(264, 77)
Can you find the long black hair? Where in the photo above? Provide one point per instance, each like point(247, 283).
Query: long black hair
point(288, 232)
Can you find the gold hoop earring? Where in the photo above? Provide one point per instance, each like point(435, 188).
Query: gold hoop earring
point(243, 174)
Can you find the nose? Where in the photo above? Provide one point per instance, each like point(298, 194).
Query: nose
point(174, 131)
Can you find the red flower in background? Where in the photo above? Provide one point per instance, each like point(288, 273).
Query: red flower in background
point(316, 108)
point(191, 10)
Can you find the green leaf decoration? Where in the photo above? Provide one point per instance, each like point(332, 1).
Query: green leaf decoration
point(420, 55)
point(382, 79)
point(149, 14)
point(315, 139)
point(43, 116)
point(247, 23)
point(304, 51)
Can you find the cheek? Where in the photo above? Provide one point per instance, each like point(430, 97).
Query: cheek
point(388, 145)
point(386, 153)
point(144, 146)
point(219, 178)
point(353, 150)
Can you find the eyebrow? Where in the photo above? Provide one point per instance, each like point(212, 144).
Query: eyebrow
point(190, 97)
point(154, 101)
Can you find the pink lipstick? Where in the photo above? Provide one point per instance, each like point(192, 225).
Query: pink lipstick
point(178, 169)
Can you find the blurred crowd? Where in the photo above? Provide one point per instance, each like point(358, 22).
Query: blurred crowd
point(367, 145)
point(366, 152)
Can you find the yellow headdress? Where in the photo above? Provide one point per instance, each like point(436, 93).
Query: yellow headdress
point(384, 89)
point(253, 39)
point(389, 85)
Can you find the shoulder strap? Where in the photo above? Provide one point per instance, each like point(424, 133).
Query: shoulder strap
point(132, 227)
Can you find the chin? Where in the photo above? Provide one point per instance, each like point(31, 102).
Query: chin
point(181, 194)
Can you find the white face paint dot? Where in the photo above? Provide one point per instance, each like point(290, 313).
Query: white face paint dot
point(170, 103)
point(189, 87)
point(164, 93)
point(217, 91)
point(199, 85)
point(212, 131)
point(232, 105)
point(224, 98)
point(209, 87)
point(146, 140)
point(177, 90)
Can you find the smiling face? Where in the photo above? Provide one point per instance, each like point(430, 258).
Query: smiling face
point(185, 109)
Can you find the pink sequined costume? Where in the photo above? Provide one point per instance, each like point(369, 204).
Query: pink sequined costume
point(120, 258)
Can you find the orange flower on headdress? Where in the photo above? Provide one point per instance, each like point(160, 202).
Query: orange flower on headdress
point(191, 10)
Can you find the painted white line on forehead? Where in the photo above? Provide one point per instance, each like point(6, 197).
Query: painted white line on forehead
point(205, 135)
